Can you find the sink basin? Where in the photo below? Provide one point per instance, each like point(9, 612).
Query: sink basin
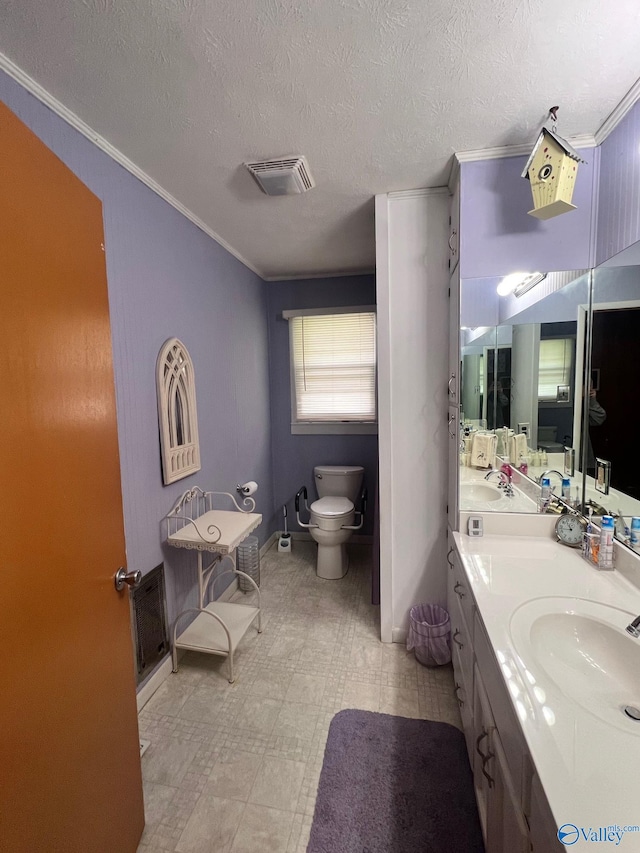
point(582, 646)
point(479, 493)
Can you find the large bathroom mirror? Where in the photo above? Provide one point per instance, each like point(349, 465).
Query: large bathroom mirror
point(613, 469)
point(524, 361)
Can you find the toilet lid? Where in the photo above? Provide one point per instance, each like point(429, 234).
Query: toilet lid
point(330, 507)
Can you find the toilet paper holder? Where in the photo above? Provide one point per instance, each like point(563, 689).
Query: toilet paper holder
point(247, 489)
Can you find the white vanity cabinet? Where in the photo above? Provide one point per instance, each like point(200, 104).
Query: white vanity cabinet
point(454, 228)
point(453, 388)
point(513, 812)
point(543, 830)
point(499, 802)
point(461, 647)
point(453, 464)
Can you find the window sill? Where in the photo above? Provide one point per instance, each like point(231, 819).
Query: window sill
point(554, 404)
point(334, 428)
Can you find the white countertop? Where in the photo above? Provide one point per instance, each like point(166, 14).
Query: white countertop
point(526, 490)
point(590, 769)
point(520, 501)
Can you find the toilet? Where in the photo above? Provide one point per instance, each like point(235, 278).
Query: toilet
point(332, 515)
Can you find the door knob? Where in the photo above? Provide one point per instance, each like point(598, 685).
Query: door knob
point(130, 579)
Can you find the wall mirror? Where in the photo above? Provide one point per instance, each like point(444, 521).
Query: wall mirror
point(177, 413)
point(524, 356)
point(615, 352)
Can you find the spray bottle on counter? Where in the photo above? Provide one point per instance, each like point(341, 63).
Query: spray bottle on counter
point(545, 494)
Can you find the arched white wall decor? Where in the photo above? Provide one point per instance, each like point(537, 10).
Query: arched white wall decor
point(177, 413)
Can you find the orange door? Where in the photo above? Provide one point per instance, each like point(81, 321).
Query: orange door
point(69, 754)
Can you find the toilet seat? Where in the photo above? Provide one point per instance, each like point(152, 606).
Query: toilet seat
point(332, 507)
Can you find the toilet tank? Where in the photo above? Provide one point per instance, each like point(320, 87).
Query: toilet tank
point(342, 481)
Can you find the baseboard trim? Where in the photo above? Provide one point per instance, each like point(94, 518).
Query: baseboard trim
point(399, 635)
point(228, 591)
point(153, 683)
point(269, 543)
point(303, 536)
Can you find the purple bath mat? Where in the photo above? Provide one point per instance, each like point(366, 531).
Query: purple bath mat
point(394, 785)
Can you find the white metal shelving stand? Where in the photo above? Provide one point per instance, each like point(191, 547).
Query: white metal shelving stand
point(194, 524)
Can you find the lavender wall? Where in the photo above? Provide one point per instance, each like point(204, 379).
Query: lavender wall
point(619, 188)
point(166, 278)
point(497, 236)
point(294, 456)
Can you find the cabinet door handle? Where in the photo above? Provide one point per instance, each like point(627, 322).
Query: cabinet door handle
point(460, 701)
point(449, 553)
point(451, 390)
point(452, 419)
point(457, 642)
point(457, 592)
point(451, 236)
point(483, 734)
point(488, 777)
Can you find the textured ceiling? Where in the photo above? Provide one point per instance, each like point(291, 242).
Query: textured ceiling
point(377, 94)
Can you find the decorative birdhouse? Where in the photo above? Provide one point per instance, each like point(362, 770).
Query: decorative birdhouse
point(551, 170)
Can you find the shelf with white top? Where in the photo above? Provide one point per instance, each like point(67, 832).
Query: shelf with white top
point(216, 530)
point(194, 524)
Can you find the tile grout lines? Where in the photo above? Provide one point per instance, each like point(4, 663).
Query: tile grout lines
point(225, 759)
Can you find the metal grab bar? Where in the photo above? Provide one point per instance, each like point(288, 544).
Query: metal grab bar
point(360, 512)
point(302, 492)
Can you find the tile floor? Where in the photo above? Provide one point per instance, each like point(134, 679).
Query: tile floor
point(235, 768)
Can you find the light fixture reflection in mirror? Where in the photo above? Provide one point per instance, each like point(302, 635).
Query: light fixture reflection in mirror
point(519, 283)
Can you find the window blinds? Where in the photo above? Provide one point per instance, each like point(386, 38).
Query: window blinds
point(334, 367)
point(554, 367)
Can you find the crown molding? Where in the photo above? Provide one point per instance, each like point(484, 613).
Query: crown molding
point(454, 175)
point(308, 275)
point(82, 127)
point(618, 113)
point(418, 193)
point(584, 140)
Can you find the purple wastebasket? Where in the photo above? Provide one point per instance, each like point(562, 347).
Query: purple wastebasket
point(430, 634)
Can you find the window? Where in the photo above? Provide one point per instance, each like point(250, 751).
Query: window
point(333, 370)
point(555, 367)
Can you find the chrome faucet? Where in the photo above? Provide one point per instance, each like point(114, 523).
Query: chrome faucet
point(551, 471)
point(505, 482)
point(504, 478)
point(634, 628)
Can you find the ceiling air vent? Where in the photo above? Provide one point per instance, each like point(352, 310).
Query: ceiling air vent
point(282, 176)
